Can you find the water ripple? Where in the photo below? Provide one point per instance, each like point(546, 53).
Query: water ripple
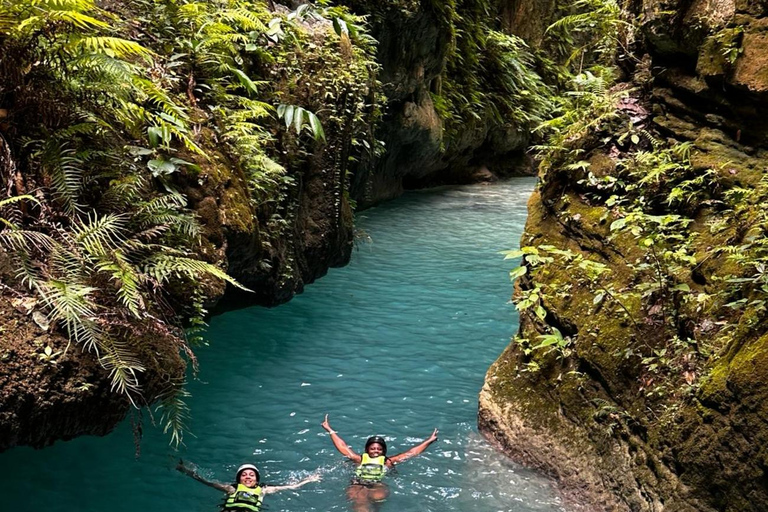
point(396, 343)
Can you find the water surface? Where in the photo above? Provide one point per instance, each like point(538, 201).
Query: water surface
point(396, 344)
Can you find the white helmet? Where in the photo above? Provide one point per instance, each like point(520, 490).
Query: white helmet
point(243, 468)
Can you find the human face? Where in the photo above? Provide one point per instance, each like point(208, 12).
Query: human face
point(375, 450)
point(248, 478)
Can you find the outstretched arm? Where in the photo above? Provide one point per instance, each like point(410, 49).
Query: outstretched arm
point(400, 457)
point(339, 443)
point(193, 473)
point(269, 489)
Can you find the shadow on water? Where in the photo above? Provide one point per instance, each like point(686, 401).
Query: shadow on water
point(396, 343)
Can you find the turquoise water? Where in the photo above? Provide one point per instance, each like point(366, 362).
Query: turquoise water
point(396, 343)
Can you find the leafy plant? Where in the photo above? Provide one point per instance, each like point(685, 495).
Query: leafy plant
point(592, 32)
point(48, 356)
point(112, 122)
point(297, 117)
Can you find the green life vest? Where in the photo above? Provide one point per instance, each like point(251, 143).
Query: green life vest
point(244, 499)
point(371, 470)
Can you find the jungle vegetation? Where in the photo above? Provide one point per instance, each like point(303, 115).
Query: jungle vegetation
point(110, 112)
point(664, 222)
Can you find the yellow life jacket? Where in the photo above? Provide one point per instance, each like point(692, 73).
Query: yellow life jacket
point(371, 470)
point(244, 499)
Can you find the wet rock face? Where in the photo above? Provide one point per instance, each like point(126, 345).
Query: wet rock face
point(527, 19)
point(318, 235)
point(414, 42)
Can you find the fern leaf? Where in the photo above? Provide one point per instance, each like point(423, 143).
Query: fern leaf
point(67, 175)
point(99, 235)
point(16, 199)
point(77, 19)
point(27, 241)
point(70, 304)
point(122, 364)
point(127, 279)
point(174, 412)
point(112, 46)
point(162, 267)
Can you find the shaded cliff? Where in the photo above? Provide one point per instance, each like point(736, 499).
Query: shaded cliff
point(117, 228)
point(454, 79)
point(638, 375)
point(213, 137)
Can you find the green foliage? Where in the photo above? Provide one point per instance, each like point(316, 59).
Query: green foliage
point(114, 120)
point(298, 118)
point(174, 412)
point(579, 114)
point(49, 356)
point(590, 32)
point(101, 241)
point(748, 291)
point(647, 195)
point(728, 42)
point(489, 75)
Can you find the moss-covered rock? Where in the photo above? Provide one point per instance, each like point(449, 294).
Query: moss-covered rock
point(625, 414)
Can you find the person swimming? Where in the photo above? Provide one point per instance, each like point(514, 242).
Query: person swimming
point(367, 487)
point(247, 493)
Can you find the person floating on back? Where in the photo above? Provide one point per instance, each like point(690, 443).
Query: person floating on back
point(247, 493)
point(367, 487)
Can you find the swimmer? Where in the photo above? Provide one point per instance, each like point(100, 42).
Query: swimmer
point(247, 493)
point(367, 487)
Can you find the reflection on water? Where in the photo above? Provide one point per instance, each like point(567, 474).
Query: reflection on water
point(396, 344)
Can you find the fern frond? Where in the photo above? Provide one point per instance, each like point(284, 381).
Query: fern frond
point(15, 199)
point(24, 240)
point(74, 18)
point(99, 235)
point(125, 190)
point(71, 304)
point(65, 262)
point(244, 18)
point(67, 177)
point(112, 46)
point(127, 278)
point(191, 11)
point(68, 132)
point(106, 66)
point(174, 412)
point(163, 267)
point(122, 364)
point(160, 98)
point(60, 5)
point(251, 108)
